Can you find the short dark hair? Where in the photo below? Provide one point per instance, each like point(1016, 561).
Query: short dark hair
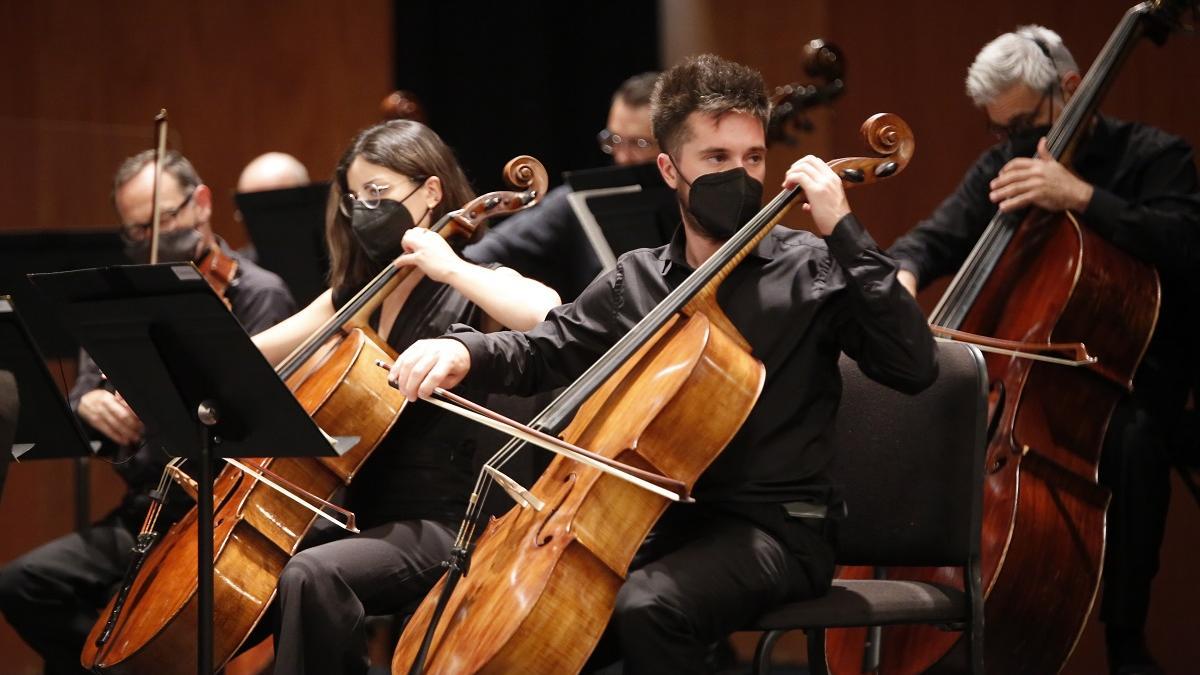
point(707, 84)
point(173, 163)
point(637, 90)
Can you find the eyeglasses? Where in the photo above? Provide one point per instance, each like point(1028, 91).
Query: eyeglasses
point(609, 141)
point(372, 195)
point(139, 231)
point(1023, 122)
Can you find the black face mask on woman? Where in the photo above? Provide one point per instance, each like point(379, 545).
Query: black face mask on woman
point(722, 202)
point(381, 229)
point(179, 245)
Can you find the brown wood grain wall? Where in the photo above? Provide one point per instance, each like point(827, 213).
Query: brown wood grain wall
point(80, 83)
point(911, 58)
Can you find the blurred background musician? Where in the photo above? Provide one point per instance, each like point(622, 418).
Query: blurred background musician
point(1135, 186)
point(53, 594)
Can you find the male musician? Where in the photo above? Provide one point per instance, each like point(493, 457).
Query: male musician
point(547, 242)
point(799, 299)
point(52, 595)
point(1135, 186)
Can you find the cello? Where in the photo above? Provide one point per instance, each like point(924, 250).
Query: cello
point(1034, 283)
point(538, 588)
point(263, 507)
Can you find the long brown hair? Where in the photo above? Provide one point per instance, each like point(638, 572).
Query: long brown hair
point(408, 148)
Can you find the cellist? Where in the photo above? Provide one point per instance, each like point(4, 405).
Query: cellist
point(757, 534)
point(392, 182)
point(1135, 186)
point(53, 594)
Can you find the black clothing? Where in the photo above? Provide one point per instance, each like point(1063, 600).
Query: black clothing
point(545, 243)
point(408, 497)
point(708, 569)
point(797, 299)
point(1147, 202)
point(53, 595)
point(423, 467)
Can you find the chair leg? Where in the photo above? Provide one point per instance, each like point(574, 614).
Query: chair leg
point(762, 652)
point(975, 621)
point(816, 651)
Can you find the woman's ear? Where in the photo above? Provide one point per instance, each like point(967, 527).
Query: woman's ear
point(433, 191)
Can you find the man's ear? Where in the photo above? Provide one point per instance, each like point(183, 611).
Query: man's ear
point(202, 196)
point(666, 167)
point(1070, 82)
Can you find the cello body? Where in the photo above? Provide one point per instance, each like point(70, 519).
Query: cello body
point(542, 584)
point(256, 529)
point(1042, 545)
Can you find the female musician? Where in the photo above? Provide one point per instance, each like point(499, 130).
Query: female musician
point(755, 536)
point(394, 180)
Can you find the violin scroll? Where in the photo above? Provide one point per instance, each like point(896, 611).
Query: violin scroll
point(890, 136)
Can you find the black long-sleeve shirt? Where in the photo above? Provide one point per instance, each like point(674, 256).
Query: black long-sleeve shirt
point(799, 301)
point(258, 299)
point(1146, 200)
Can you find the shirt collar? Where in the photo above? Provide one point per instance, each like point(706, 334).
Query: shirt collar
point(673, 254)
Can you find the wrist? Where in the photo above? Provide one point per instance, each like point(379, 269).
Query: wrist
point(1083, 197)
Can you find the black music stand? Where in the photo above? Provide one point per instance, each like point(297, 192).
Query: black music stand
point(288, 230)
point(190, 372)
point(45, 426)
point(622, 208)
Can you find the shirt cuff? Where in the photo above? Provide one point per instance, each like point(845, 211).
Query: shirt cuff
point(1101, 214)
point(849, 239)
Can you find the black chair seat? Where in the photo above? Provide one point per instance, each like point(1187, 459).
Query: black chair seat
point(869, 603)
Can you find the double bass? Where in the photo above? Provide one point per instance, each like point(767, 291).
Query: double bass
point(1034, 284)
point(263, 507)
point(537, 590)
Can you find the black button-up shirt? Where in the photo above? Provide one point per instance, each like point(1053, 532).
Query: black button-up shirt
point(1145, 200)
point(797, 299)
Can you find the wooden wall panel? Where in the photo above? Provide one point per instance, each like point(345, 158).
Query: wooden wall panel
point(81, 83)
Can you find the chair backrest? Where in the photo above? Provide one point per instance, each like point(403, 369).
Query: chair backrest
point(911, 467)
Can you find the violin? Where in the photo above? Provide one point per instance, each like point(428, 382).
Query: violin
point(632, 434)
point(263, 507)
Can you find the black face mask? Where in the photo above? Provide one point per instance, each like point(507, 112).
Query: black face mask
point(1024, 143)
point(721, 203)
point(181, 245)
point(380, 230)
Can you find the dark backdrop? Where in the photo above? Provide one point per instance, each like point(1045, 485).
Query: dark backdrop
point(522, 78)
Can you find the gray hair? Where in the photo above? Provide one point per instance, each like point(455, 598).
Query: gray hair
point(173, 163)
point(1031, 55)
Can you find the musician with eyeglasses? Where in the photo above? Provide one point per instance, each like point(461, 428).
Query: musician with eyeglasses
point(53, 594)
point(547, 243)
point(1135, 186)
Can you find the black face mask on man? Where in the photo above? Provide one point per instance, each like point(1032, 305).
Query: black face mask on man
point(380, 230)
point(1024, 142)
point(178, 245)
point(721, 203)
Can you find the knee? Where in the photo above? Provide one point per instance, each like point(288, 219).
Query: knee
point(642, 612)
point(301, 574)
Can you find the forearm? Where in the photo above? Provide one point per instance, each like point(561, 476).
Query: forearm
point(281, 339)
point(516, 302)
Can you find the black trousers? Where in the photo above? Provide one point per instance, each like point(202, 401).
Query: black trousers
point(1136, 465)
point(53, 595)
point(703, 573)
point(328, 589)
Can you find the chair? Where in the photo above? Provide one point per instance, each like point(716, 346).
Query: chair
point(911, 468)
